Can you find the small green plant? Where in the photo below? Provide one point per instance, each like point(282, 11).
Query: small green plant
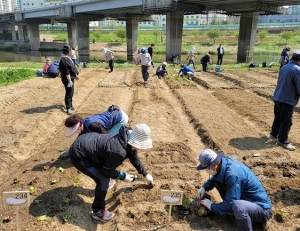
point(67, 201)
point(67, 218)
point(37, 202)
point(42, 218)
point(76, 182)
point(61, 150)
point(16, 180)
point(186, 202)
point(131, 214)
point(60, 169)
point(32, 190)
point(54, 181)
point(149, 211)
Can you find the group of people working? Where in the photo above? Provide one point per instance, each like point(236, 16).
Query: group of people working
point(104, 141)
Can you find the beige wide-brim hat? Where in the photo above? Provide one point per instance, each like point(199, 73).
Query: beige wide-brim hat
point(71, 130)
point(140, 137)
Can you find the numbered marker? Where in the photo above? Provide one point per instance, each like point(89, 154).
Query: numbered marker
point(171, 197)
point(16, 199)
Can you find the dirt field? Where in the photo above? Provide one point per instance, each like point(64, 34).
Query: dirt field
point(230, 111)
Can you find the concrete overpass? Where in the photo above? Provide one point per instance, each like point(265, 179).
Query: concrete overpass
point(78, 14)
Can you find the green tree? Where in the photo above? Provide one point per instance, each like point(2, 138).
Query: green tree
point(121, 33)
point(236, 34)
point(286, 35)
point(214, 34)
point(263, 34)
point(156, 33)
point(195, 32)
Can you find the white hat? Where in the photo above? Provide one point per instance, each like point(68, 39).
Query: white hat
point(209, 158)
point(140, 137)
point(73, 129)
point(104, 49)
point(165, 63)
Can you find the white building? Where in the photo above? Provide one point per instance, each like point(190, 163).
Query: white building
point(8, 5)
point(29, 4)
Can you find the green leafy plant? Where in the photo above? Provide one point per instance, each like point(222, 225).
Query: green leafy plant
point(54, 181)
point(76, 182)
point(149, 210)
point(186, 202)
point(36, 202)
point(42, 218)
point(16, 180)
point(60, 169)
point(61, 150)
point(281, 213)
point(67, 218)
point(32, 190)
point(131, 213)
point(67, 201)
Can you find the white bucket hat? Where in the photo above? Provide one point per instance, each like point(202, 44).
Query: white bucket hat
point(140, 137)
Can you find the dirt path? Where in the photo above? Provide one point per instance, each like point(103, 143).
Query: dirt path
point(229, 111)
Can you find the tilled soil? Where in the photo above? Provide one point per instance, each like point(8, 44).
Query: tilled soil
point(230, 111)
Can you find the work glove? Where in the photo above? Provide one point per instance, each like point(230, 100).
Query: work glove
point(201, 192)
point(130, 178)
point(206, 203)
point(70, 83)
point(64, 154)
point(149, 178)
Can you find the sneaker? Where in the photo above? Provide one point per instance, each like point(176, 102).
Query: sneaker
point(72, 108)
point(111, 184)
point(145, 83)
point(159, 76)
point(287, 146)
point(271, 137)
point(69, 111)
point(103, 215)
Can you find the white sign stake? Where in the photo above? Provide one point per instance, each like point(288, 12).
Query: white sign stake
point(16, 199)
point(171, 197)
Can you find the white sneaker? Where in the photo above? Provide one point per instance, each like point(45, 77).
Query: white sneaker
point(111, 184)
point(286, 146)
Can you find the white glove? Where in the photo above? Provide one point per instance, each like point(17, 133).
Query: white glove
point(70, 83)
point(200, 193)
point(64, 154)
point(206, 203)
point(149, 178)
point(130, 178)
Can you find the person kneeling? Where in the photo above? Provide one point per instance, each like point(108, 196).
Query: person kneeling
point(161, 70)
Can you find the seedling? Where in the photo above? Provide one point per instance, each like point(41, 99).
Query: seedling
point(60, 169)
point(76, 182)
point(37, 202)
point(54, 181)
point(182, 186)
point(201, 212)
point(149, 211)
point(67, 201)
point(67, 218)
point(16, 180)
point(131, 214)
point(279, 216)
point(42, 218)
point(32, 190)
point(45, 168)
point(186, 202)
point(61, 150)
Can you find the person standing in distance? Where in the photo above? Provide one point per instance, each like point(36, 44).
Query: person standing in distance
point(284, 56)
point(242, 192)
point(221, 51)
point(68, 74)
point(99, 155)
point(286, 98)
point(191, 57)
point(150, 51)
point(73, 56)
point(145, 60)
point(109, 57)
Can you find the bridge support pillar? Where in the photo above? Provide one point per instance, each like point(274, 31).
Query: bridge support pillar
point(132, 28)
point(174, 26)
point(13, 32)
point(247, 33)
point(83, 39)
point(72, 34)
point(21, 33)
point(34, 36)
